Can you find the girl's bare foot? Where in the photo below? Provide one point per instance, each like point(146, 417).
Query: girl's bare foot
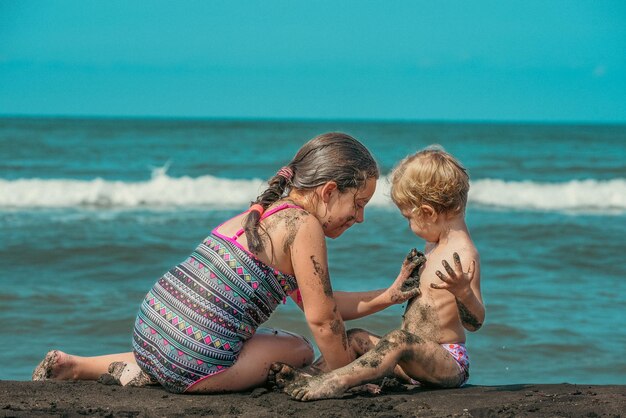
point(55, 365)
point(129, 374)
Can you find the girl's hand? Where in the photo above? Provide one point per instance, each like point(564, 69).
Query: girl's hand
point(402, 288)
point(456, 282)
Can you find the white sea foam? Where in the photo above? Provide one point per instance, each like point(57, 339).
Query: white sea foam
point(161, 190)
point(208, 191)
point(574, 195)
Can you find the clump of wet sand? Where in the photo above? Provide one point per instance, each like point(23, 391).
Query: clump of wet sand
point(414, 278)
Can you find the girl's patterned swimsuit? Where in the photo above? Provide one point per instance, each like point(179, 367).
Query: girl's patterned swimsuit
point(193, 322)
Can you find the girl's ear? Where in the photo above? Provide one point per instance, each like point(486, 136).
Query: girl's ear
point(327, 190)
point(428, 213)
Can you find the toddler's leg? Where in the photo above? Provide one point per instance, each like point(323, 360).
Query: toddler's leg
point(413, 354)
point(367, 367)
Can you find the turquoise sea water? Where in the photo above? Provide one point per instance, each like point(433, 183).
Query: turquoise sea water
point(93, 211)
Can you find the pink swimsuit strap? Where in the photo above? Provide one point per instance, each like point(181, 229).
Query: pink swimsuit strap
point(266, 214)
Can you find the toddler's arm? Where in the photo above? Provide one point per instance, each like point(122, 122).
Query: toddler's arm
point(466, 290)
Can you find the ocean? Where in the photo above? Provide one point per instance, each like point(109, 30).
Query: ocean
point(93, 211)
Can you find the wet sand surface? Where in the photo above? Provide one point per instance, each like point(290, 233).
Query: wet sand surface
point(73, 399)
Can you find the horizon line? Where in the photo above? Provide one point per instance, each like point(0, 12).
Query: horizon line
point(317, 120)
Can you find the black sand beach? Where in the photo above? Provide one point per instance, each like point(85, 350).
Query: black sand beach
point(73, 399)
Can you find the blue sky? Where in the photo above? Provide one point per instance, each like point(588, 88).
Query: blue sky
point(547, 61)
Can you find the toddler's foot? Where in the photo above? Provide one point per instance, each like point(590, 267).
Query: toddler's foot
point(303, 386)
point(126, 374)
point(373, 389)
point(55, 365)
point(323, 387)
point(367, 388)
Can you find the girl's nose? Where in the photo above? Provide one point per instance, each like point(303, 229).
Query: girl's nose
point(360, 216)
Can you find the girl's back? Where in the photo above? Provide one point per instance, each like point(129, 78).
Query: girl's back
point(277, 230)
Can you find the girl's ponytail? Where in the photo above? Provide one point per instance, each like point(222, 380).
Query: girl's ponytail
point(277, 186)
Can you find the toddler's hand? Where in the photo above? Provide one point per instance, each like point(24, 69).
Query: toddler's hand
point(406, 285)
point(456, 282)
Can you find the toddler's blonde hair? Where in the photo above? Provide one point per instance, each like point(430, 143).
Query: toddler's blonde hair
point(433, 177)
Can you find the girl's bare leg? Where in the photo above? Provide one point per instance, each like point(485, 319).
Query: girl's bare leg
point(58, 365)
point(360, 341)
point(267, 346)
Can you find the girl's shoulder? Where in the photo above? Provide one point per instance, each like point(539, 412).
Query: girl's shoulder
point(291, 218)
point(286, 211)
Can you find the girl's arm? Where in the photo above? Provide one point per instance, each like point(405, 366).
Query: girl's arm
point(310, 265)
point(354, 305)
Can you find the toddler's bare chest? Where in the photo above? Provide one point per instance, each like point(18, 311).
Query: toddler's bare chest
point(421, 318)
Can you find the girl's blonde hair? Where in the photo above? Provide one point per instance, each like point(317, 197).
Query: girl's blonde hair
point(432, 177)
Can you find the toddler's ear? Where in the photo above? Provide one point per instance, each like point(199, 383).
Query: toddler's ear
point(428, 212)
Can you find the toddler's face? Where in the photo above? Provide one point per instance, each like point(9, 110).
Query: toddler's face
point(416, 223)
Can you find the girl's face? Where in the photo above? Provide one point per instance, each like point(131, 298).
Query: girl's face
point(347, 208)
